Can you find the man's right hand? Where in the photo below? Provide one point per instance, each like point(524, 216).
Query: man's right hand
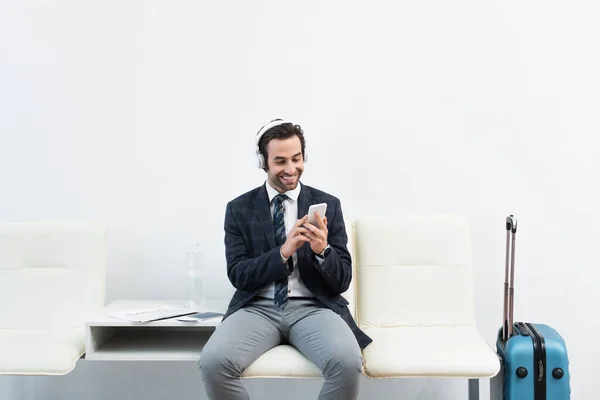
point(295, 239)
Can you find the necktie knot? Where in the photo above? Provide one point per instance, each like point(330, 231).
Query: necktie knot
point(279, 199)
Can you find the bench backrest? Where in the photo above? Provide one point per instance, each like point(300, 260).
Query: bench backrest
point(51, 274)
point(413, 271)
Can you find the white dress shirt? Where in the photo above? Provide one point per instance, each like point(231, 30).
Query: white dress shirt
point(296, 287)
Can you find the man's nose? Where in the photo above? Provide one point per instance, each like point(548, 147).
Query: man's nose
point(290, 168)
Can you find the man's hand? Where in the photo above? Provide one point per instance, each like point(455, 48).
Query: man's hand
point(317, 235)
point(296, 238)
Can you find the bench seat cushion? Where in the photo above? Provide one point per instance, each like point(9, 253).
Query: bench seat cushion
point(282, 361)
point(434, 351)
point(40, 351)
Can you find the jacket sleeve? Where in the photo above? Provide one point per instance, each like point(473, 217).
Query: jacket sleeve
point(336, 268)
point(247, 273)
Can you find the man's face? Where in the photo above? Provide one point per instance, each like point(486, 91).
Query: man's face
point(285, 163)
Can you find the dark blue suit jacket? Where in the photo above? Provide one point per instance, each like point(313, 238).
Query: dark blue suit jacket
point(253, 260)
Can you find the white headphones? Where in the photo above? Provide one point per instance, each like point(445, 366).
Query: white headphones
point(261, 132)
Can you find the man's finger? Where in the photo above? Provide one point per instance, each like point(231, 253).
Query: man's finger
point(302, 221)
point(310, 227)
point(303, 238)
point(301, 230)
point(320, 222)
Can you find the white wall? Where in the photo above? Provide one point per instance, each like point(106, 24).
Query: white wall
point(143, 114)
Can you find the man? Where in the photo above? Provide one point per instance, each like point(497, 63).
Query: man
point(289, 275)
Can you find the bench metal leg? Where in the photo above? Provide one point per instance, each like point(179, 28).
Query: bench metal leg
point(473, 389)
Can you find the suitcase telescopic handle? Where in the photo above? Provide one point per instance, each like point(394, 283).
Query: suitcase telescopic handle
point(511, 223)
point(509, 277)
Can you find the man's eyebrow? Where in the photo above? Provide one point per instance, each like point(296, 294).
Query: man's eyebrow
point(283, 158)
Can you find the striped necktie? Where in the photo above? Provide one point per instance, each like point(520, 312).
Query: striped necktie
point(281, 286)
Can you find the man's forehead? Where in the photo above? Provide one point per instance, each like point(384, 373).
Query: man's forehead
point(285, 147)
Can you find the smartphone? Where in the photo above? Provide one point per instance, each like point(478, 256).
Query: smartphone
point(321, 208)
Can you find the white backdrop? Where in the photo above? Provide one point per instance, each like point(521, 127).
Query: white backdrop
point(143, 114)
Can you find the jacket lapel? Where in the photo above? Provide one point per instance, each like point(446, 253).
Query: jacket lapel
point(263, 211)
point(304, 201)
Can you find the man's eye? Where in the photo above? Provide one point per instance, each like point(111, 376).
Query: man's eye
point(295, 159)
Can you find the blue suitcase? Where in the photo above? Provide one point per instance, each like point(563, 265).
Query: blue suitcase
point(534, 356)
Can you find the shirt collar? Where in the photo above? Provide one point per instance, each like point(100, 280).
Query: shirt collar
point(292, 194)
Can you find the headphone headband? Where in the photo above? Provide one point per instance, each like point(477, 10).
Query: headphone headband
point(264, 129)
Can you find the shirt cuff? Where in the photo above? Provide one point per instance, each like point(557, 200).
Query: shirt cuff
point(283, 259)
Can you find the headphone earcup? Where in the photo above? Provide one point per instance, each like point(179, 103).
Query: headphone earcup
point(261, 160)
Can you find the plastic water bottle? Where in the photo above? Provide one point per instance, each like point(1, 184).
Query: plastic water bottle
point(196, 294)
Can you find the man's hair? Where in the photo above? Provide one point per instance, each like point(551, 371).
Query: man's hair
point(283, 131)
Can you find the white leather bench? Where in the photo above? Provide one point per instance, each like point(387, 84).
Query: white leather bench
point(412, 293)
point(51, 278)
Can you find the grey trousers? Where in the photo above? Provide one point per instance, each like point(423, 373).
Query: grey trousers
point(316, 331)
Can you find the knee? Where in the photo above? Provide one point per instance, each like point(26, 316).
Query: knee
point(344, 364)
point(217, 363)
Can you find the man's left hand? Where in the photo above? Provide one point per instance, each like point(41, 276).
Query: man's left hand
point(317, 235)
